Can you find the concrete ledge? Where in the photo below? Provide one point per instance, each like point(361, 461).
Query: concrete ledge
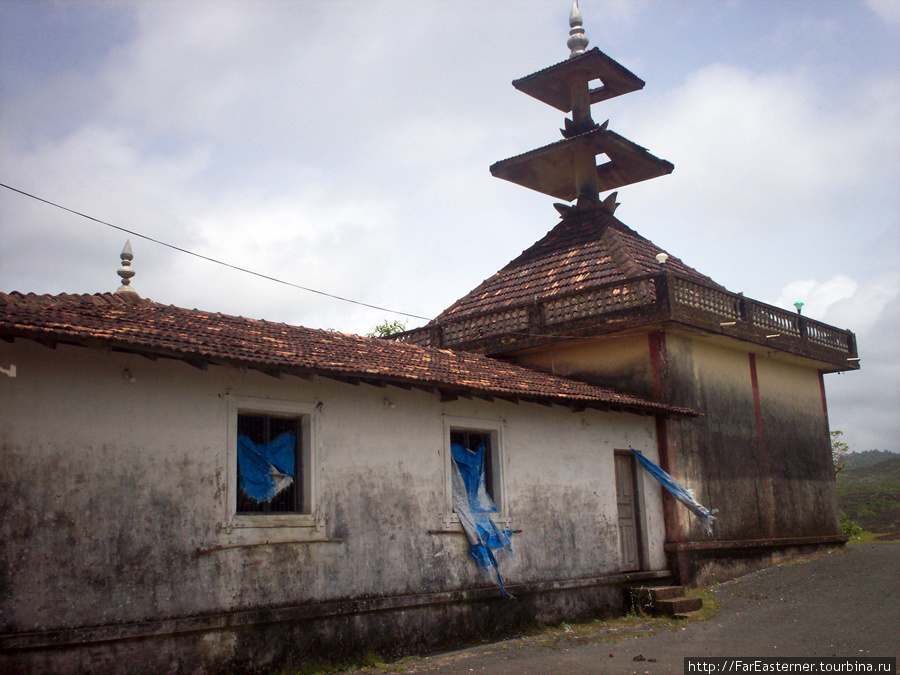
point(755, 543)
point(698, 563)
point(162, 628)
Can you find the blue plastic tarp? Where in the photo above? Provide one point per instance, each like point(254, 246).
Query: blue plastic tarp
point(683, 495)
point(473, 506)
point(267, 468)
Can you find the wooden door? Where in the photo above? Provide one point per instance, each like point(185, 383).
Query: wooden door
point(626, 497)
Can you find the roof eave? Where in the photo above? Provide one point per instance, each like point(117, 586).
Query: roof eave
point(202, 360)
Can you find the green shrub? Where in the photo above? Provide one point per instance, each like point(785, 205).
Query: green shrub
point(850, 528)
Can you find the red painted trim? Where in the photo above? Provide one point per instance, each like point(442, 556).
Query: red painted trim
point(657, 345)
point(670, 518)
point(757, 405)
point(766, 483)
point(824, 403)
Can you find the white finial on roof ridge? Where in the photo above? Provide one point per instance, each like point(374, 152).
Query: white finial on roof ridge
point(125, 271)
point(578, 41)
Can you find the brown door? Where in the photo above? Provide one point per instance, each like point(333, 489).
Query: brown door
point(626, 497)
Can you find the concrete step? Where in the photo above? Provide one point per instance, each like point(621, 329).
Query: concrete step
point(661, 600)
point(673, 606)
point(654, 593)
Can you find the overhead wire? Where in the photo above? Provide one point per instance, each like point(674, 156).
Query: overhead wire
point(209, 259)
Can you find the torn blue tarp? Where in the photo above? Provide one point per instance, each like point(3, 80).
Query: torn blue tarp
point(268, 468)
point(686, 497)
point(473, 505)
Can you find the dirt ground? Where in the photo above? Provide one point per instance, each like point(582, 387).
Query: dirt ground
point(841, 603)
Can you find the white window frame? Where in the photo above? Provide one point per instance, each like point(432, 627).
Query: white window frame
point(306, 518)
point(498, 485)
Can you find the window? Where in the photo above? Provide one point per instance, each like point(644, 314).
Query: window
point(271, 464)
point(478, 442)
point(481, 441)
point(269, 468)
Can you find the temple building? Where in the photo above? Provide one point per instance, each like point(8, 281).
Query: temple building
point(595, 300)
point(191, 492)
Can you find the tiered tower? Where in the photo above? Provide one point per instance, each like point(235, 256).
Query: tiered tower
point(568, 169)
point(595, 300)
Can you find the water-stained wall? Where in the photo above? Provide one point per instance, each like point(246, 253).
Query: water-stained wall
point(619, 361)
point(115, 486)
point(759, 452)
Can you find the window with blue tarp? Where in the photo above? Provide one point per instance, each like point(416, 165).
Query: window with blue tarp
point(269, 464)
point(474, 491)
point(471, 440)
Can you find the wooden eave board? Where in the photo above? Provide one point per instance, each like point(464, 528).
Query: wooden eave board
point(551, 169)
point(553, 85)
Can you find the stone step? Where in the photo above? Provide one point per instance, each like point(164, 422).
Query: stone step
point(661, 600)
point(653, 593)
point(673, 606)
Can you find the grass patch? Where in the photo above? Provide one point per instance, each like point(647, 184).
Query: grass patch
point(320, 669)
point(710, 603)
point(809, 557)
point(369, 663)
point(613, 629)
point(875, 538)
point(610, 629)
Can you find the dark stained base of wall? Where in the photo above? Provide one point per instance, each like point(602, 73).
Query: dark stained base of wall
point(708, 562)
point(304, 635)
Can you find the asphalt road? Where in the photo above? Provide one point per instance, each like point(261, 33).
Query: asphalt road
point(845, 603)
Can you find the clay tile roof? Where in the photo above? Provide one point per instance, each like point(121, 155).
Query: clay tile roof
point(578, 253)
point(109, 321)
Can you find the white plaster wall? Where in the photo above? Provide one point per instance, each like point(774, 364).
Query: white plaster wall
point(113, 492)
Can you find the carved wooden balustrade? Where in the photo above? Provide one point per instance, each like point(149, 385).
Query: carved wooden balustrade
point(641, 301)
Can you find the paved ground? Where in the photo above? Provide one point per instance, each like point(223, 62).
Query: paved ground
point(845, 603)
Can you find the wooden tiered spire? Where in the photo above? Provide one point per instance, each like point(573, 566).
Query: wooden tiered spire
point(568, 169)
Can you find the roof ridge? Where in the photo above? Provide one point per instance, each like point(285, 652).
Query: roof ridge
point(584, 249)
point(619, 252)
point(628, 236)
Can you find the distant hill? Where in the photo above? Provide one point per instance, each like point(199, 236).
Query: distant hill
point(860, 460)
point(870, 495)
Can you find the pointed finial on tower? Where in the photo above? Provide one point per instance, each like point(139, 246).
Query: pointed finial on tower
point(126, 272)
point(578, 41)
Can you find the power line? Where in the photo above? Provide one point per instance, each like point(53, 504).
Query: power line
point(212, 260)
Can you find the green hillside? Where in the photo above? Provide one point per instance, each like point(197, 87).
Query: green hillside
point(860, 460)
point(871, 495)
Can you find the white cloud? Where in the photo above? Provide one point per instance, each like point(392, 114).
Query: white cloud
point(762, 150)
point(888, 10)
point(876, 299)
point(818, 297)
point(865, 307)
point(104, 173)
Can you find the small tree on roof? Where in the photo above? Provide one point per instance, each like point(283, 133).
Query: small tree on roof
point(387, 328)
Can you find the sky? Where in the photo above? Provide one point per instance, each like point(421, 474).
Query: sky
point(344, 146)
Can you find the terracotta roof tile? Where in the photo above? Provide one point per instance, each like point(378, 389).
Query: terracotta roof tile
point(578, 253)
point(148, 327)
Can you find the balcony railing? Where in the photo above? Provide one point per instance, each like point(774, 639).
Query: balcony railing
point(642, 300)
point(600, 300)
